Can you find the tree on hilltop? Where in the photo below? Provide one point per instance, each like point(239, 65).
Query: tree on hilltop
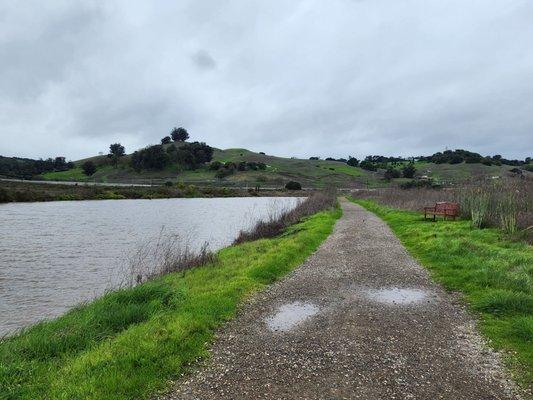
point(179, 134)
point(116, 150)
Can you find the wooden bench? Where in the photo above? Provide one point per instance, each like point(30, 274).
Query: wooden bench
point(444, 208)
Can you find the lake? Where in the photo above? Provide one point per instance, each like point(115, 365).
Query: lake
point(55, 255)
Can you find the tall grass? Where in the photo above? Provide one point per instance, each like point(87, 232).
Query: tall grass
point(163, 255)
point(276, 223)
point(505, 204)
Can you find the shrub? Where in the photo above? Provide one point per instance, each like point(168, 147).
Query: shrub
point(352, 162)
point(89, 168)
point(486, 161)
point(224, 172)
point(409, 171)
point(168, 183)
point(368, 165)
point(166, 140)
point(215, 165)
point(4, 196)
point(293, 185)
point(391, 173)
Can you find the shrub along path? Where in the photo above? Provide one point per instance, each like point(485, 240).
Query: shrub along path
point(360, 319)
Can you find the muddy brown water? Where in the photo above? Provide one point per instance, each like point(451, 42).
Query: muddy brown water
point(58, 254)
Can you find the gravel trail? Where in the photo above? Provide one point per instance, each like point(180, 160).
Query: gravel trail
point(360, 319)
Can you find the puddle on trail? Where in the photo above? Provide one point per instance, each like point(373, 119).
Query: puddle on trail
point(396, 296)
point(290, 315)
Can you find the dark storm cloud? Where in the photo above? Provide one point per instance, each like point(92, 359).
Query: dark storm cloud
point(290, 78)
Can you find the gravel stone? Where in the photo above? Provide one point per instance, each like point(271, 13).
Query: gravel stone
point(356, 346)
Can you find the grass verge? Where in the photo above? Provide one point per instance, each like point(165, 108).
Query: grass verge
point(130, 343)
point(494, 273)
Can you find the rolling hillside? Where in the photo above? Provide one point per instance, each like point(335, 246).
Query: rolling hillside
point(279, 170)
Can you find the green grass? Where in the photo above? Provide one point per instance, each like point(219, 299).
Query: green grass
point(494, 273)
point(130, 343)
point(75, 174)
point(280, 170)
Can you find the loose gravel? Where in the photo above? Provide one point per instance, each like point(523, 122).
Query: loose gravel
point(382, 330)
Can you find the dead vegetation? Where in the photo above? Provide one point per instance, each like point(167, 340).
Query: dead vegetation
point(277, 222)
point(506, 204)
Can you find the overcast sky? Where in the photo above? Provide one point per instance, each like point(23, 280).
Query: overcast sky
point(290, 78)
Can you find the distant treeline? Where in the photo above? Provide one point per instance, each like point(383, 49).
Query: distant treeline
point(373, 162)
point(458, 156)
point(26, 168)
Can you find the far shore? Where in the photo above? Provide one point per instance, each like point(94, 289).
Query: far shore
point(13, 190)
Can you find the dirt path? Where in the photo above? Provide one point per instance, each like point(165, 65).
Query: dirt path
point(359, 320)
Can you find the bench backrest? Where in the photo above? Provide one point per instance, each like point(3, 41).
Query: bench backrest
point(447, 207)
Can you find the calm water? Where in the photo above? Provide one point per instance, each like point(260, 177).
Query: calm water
point(56, 255)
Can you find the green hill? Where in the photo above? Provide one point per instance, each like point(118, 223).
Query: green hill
point(279, 170)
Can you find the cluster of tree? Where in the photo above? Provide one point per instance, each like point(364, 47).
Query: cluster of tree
point(116, 151)
point(185, 155)
point(408, 171)
point(26, 168)
point(177, 135)
point(459, 155)
point(344, 160)
point(229, 168)
point(370, 163)
point(375, 162)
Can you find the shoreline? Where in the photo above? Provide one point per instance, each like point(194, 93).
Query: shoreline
point(143, 337)
point(24, 192)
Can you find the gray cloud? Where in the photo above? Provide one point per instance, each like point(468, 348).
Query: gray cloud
point(295, 78)
point(203, 60)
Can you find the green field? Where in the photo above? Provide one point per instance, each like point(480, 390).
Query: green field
point(494, 273)
point(130, 343)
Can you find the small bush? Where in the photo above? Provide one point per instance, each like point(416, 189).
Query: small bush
point(224, 172)
point(409, 171)
point(4, 196)
point(293, 185)
point(368, 165)
point(215, 165)
point(89, 168)
point(391, 173)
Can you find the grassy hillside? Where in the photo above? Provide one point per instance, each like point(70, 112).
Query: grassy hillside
point(310, 173)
